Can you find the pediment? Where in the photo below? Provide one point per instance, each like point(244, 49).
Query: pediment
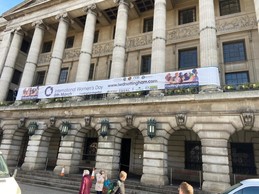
point(23, 6)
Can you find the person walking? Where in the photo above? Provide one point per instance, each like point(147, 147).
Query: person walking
point(185, 188)
point(100, 178)
point(86, 183)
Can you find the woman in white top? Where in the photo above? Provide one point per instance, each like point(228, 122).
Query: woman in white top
point(100, 178)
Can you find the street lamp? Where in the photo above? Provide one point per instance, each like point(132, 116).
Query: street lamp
point(64, 128)
point(104, 127)
point(33, 126)
point(151, 128)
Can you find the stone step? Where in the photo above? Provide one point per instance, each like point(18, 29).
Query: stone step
point(72, 183)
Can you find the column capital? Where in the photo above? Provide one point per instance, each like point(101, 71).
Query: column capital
point(20, 31)
point(125, 2)
point(39, 24)
point(91, 9)
point(63, 16)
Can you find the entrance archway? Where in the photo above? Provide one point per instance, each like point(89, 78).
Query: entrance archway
point(131, 158)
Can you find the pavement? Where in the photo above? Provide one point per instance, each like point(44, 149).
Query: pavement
point(35, 189)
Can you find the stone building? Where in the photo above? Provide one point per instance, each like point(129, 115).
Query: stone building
point(207, 133)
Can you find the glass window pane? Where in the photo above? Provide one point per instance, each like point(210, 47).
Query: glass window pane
point(145, 64)
point(236, 78)
point(188, 58)
point(187, 16)
point(234, 51)
point(69, 42)
point(229, 7)
point(148, 25)
point(63, 76)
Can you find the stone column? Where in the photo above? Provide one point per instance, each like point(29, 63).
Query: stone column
point(4, 48)
point(58, 50)
point(118, 55)
point(83, 69)
point(159, 37)
point(32, 59)
point(8, 69)
point(256, 2)
point(208, 37)
point(155, 162)
point(215, 160)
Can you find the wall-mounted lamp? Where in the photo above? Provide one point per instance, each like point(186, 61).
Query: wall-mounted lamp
point(151, 128)
point(33, 126)
point(104, 127)
point(64, 128)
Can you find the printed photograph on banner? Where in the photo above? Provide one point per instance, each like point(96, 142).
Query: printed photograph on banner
point(30, 93)
point(185, 78)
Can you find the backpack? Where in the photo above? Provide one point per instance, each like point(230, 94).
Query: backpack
point(113, 187)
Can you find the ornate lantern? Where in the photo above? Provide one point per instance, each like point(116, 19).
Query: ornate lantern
point(33, 126)
point(151, 128)
point(104, 127)
point(64, 128)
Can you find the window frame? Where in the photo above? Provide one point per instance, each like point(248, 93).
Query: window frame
point(46, 47)
point(228, 11)
point(145, 68)
point(236, 73)
point(148, 24)
point(60, 79)
point(69, 42)
point(40, 76)
point(233, 44)
point(180, 51)
point(181, 19)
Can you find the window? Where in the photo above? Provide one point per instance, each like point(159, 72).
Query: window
point(148, 25)
point(91, 72)
point(229, 7)
point(193, 154)
point(96, 36)
point(187, 16)
point(46, 47)
point(63, 76)
point(11, 96)
point(248, 190)
point(237, 78)
point(145, 64)
point(16, 77)
point(234, 51)
point(69, 42)
point(242, 155)
point(188, 58)
point(25, 46)
point(40, 78)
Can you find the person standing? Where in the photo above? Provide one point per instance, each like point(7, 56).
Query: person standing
point(123, 177)
point(185, 188)
point(86, 183)
point(100, 178)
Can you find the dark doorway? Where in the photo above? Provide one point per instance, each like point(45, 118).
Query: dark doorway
point(23, 149)
point(125, 154)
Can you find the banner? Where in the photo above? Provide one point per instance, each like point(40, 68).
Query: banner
point(168, 80)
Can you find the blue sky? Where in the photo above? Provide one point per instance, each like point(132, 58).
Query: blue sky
point(8, 4)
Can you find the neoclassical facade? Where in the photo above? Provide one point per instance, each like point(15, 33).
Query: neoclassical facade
point(207, 134)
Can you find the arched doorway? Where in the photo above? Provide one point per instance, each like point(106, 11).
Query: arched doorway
point(184, 157)
point(243, 155)
point(131, 157)
point(51, 139)
point(89, 150)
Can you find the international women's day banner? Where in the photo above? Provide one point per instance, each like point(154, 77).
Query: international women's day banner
point(168, 80)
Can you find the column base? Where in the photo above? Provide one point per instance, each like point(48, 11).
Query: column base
point(216, 187)
point(151, 179)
